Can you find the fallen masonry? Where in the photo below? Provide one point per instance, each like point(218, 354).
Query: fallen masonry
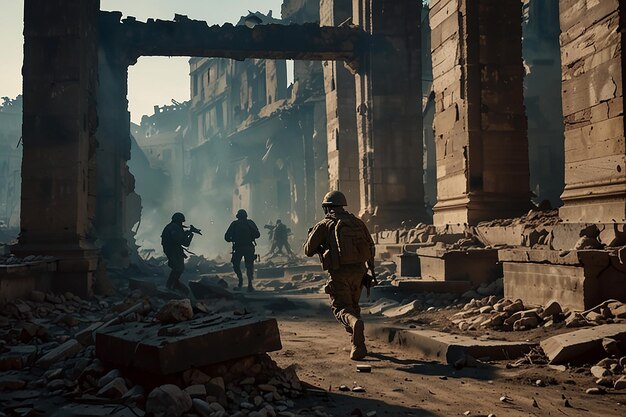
point(583, 345)
point(167, 349)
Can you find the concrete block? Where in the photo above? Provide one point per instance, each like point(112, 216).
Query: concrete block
point(578, 280)
point(408, 265)
point(448, 348)
point(476, 266)
point(192, 344)
point(582, 346)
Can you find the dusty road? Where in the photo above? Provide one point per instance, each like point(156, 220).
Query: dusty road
point(403, 385)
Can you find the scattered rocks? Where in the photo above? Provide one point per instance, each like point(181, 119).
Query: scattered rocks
point(168, 401)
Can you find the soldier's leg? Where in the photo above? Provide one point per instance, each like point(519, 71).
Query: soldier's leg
point(288, 247)
point(359, 350)
point(236, 260)
point(177, 263)
point(249, 258)
point(342, 305)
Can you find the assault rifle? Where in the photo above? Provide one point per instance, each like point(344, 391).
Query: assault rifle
point(192, 229)
point(369, 278)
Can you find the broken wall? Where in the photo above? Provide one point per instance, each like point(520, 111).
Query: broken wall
point(592, 54)
point(480, 124)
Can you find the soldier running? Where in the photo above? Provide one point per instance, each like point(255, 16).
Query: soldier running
point(346, 250)
point(242, 233)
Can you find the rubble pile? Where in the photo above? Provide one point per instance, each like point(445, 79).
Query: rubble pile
point(610, 372)
point(505, 314)
point(10, 259)
point(49, 364)
point(428, 301)
point(308, 283)
point(417, 303)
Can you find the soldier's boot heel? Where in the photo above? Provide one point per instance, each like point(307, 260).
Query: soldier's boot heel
point(359, 350)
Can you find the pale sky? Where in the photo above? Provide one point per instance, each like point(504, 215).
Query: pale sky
point(153, 80)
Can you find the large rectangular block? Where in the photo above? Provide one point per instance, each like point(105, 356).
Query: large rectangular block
point(167, 349)
point(473, 265)
point(577, 280)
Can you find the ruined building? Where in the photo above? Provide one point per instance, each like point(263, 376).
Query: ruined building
point(363, 94)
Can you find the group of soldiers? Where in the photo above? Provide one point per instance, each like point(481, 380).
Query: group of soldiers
point(341, 240)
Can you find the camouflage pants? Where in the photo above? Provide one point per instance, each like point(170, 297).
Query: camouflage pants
point(345, 289)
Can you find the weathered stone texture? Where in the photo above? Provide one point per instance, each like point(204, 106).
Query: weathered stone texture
point(197, 343)
point(343, 152)
point(593, 101)
point(480, 124)
point(389, 117)
point(58, 168)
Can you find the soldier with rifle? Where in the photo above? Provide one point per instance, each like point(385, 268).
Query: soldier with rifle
point(242, 233)
point(279, 236)
point(346, 250)
point(175, 239)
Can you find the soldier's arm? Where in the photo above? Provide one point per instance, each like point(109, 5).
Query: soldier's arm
point(187, 238)
point(255, 230)
point(316, 238)
point(370, 241)
point(229, 234)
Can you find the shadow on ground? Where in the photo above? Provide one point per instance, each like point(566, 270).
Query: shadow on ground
point(414, 366)
point(351, 404)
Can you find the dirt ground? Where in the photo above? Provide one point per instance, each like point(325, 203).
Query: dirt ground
point(403, 385)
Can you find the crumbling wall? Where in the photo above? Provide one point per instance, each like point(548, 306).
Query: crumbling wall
point(480, 124)
point(58, 169)
point(389, 116)
point(592, 57)
point(339, 86)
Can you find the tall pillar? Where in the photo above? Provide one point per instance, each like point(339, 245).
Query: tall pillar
point(341, 132)
point(480, 124)
point(389, 113)
point(114, 181)
point(592, 55)
point(58, 167)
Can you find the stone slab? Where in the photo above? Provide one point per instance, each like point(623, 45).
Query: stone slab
point(408, 265)
point(576, 279)
point(581, 346)
point(476, 266)
point(168, 349)
point(445, 347)
point(18, 281)
point(60, 353)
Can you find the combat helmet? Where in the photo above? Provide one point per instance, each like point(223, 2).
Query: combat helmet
point(178, 218)
point(334, 199)
point(242, 214)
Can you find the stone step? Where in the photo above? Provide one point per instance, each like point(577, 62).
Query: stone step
point(582, 346)
point(445, 347)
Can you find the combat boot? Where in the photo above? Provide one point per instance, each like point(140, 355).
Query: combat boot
point(359, 350)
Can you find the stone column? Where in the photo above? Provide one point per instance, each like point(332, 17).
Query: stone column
point(593, 106)
point(480, 124)
point(115, 182)
point(389, 114)
point(58, 181)
point(343, 146)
